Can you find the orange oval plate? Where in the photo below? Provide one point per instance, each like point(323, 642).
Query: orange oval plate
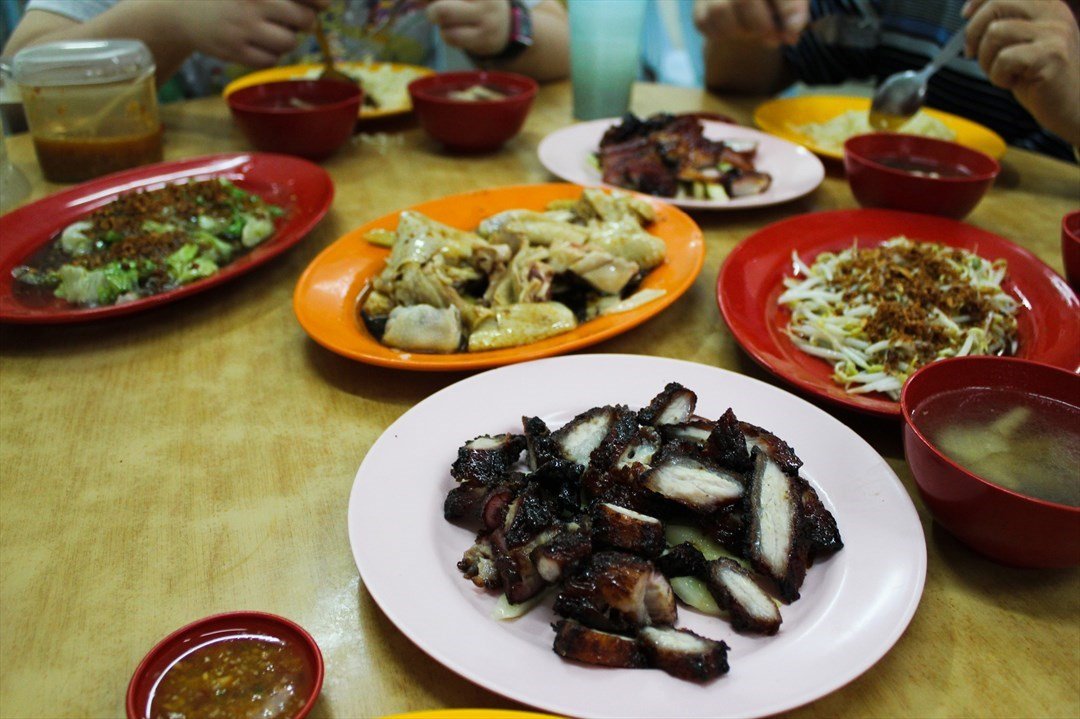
point(784, 116)
point(326, 297)
point(406, 73)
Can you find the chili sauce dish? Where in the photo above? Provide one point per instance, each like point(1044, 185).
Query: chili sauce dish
point(239, 665)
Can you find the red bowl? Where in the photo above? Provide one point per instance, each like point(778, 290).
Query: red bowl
point(1070, 248)
point(309, 118)
point(472, 125)
point(211, 629)
point(893, 171)
point(1007, 526)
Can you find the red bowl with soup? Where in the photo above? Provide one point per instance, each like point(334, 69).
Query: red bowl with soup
point(307, 118)
point(238, 664)
point(917, 174)
point(472, 111)
point(994, 446)
point(1070, 248)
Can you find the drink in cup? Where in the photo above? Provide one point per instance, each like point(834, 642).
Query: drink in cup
point(605, 53)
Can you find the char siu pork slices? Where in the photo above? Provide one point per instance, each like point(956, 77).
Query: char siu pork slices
point(684, 654)
point(576, 641)
point(617, 592)
point(590, 508)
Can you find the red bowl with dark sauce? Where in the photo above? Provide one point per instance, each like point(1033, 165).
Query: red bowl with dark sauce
point(917, 174)
point(481, 123)
point(240, 664)
point(307, 118)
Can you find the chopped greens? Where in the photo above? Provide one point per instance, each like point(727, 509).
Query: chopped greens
point(149, 242)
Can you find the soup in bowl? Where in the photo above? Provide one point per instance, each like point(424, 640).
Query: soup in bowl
point(994, 446)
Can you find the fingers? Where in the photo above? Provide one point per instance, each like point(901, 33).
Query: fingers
point(770, 21)
point(983, 13)
point(999, 35)
point(289, 14)
point(1014, 65)
point(480, 27)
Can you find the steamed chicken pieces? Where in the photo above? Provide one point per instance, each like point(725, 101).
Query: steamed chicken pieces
point(585, 510)
point(520, 277)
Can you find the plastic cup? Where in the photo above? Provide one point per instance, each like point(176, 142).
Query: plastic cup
point(605, 54)
point(91, 106)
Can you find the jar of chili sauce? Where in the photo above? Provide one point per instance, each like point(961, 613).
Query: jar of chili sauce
point(91, 106)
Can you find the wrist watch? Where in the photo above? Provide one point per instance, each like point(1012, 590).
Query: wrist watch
point(521, 33)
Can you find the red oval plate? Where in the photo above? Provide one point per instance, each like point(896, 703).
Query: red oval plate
point(302, 188)
point(750, 282)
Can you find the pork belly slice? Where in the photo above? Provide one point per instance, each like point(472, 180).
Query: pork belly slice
point(682, 560)
point(728, 445)
point(560, 481)
point(520, 578)
point(562, 555)
point(749, 607)
point(691, 480)
point(623, 486)
point(620, 528)
point(617, 592)
point(641, 449)
point(539, 447)
point(729, 526)
point(472, 503)
point(694, 430)
point(577, 439)
point(746, 182)
point(622, 431)
point(684, 654)
point(818, 528)
point(478, 564)
point(487, 458)
point(774, 518)
point(778, 450)
point(592, 646)
point(672, 406)
point(532, 512)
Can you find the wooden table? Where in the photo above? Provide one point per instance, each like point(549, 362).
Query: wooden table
point(197, 458)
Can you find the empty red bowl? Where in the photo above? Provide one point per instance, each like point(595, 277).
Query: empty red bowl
point(479, 125)
point(917, 174)
point(1070, 248)
point(308, 118)
point(217, 647)
point(1006, 525)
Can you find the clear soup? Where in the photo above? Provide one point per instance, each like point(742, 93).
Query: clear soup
point(1027, 443)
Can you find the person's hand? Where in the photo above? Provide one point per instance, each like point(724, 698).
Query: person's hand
point(255, 33)
point(770, 22)
point(479, 27)
point(1032, 48)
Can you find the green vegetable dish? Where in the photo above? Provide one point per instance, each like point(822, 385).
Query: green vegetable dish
point(146, 243)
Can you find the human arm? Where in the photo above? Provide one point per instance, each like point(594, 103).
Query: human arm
point(255, 34)
point(482, 29)
point(1031, 49)
point(743, 42)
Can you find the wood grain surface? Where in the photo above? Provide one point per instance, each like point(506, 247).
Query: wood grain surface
point(198, 457)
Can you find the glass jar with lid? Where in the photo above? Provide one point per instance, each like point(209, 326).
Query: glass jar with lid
point(91, 106)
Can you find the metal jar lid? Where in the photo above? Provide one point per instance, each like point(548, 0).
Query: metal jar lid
point(89, 62)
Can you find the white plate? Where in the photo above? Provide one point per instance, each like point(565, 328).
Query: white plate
point(795, 170)
point(854, 606)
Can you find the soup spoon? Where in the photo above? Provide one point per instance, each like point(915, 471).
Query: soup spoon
point(903, 93)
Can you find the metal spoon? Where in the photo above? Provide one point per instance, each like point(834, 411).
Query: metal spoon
point(903, 93)
point(329, 72)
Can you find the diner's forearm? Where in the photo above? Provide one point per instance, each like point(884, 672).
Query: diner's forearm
point(152, 23)
point(549, 56)
point(744, 66)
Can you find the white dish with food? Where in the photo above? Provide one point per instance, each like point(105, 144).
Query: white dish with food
point(854, 605)
point(569, 154)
